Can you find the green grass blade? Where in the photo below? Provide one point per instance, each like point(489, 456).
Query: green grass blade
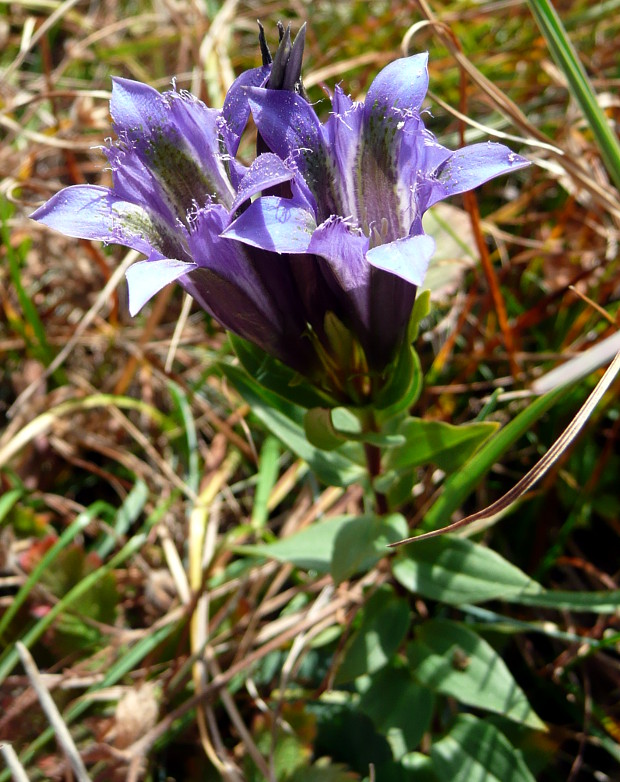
point(566, 57)
point(126, 515)
point(46, 562)
point(120, 668)
point(266, 479)
point(7, 501)
point(460, 485)
point(10, 658)
point(34, 332)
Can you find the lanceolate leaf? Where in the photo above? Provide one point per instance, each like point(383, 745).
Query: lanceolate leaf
point(439, 443)
point(457, 571)
point(285, 420)
point(476, 751)
point(385, 620)
point(346, 545)
point(452, 660)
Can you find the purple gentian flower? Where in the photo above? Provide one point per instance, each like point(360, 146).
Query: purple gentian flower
point(176, 184)
point(365, 178)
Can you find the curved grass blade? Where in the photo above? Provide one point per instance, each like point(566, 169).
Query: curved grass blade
point(539, 469)
point(579, 84)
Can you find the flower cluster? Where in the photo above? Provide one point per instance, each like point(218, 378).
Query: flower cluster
point(321, 235)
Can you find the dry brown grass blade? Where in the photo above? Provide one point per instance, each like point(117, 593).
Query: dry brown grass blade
point(13, 763)
point(537, 472)
point(84, 323)
point(342, 601)
point(601, 193)
point(53, 715)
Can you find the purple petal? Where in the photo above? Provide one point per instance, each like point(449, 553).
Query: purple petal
point(135, 105)
point(290, 127)
point(146, 278)
point(286, 122)
point(81, 211)
point(133, 181)
point(266, 171)
point(92, 212)
point(407, 258)
point(401, 84)
point(345, 251)
point(236, 109)
point(471, 166)
point(343, 140)
point(251, 293)
point(176, 137)
point(275, 224)
point(199, 128)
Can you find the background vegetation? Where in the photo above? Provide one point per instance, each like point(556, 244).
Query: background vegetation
point(133, 477)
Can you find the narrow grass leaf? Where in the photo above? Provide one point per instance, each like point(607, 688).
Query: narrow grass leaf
point(127, 514)
point(268, 467)
point(7, 502)
point(35, 327)
point(596, 602)
point(540, 468)
point(189, 427)
point(566, 57)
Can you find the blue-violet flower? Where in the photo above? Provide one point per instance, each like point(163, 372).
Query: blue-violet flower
point(364, 180)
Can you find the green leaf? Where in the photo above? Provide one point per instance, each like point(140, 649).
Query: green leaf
point(322, 772)
point(362, 542)
point(566, 57)
point(319, 429)
point(310, 549)
point(126, 515)
point(329, 429)
point(403, 387)
point(7, 501)
point(285, 420)
point(476, 751)
point(456, 570)
point(349, 426)
point(385, 621)
point(34, 331)
point(452, 660)
point(461, 483)
point(343, 544)
point(420, 766)
point(265, 480)
point(598, 602)
point(277, 377)
point(399, 708)
point(446, 445)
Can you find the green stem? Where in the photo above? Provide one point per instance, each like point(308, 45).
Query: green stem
point(373, 462)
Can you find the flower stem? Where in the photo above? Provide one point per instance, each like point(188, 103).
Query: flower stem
point(373, 462)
